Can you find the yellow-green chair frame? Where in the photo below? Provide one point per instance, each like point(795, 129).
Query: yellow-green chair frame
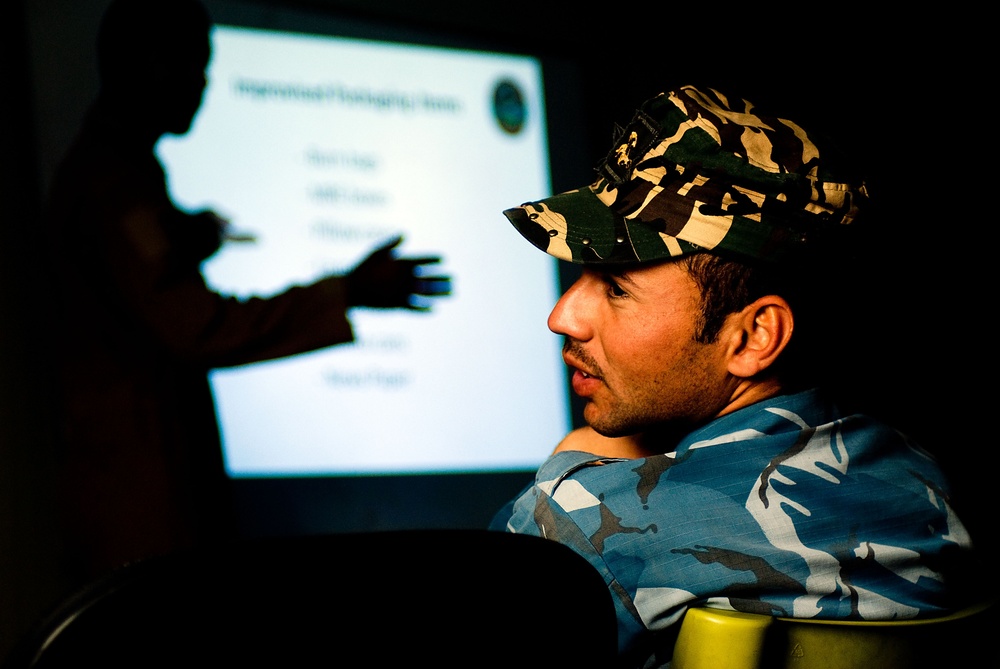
point(721, 639)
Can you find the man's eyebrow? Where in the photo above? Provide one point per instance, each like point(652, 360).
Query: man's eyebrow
point(621, 274)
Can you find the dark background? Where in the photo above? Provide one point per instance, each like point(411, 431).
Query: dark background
point(906, 93)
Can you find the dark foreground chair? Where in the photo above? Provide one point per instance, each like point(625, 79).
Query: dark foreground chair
point(436, 598)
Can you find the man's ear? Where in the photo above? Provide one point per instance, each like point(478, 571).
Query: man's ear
point(758, 335)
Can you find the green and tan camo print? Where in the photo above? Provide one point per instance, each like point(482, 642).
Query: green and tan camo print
point(695, 171)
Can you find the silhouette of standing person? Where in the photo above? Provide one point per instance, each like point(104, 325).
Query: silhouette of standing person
point(139, 329)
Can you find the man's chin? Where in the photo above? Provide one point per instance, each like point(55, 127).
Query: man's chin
point(603, 424)
point(617, 427)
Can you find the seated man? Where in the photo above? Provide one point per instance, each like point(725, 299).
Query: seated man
point(712, 471)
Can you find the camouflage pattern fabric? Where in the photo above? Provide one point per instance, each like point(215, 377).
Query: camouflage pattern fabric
point(696, 171)
point(783, 507)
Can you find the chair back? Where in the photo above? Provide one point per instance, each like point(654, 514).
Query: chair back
point(440, 598)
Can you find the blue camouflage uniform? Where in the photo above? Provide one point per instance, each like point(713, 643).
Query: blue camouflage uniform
point(783, 507)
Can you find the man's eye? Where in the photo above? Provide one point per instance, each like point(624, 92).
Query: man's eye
point(614, 290)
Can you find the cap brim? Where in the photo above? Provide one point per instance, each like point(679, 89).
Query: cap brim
point(577, 226)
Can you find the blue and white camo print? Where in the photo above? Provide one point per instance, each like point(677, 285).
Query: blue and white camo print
point(784, 507)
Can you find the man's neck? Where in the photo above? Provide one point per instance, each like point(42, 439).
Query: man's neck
point(751, 391)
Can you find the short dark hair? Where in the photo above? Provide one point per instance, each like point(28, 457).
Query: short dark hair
point(728, 284)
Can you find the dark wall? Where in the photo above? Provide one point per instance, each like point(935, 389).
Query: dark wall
point(916, 352)
point(28, 543)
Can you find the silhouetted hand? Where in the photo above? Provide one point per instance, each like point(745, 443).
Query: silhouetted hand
point(384, 281)
point(213, 223)
point(196, 236)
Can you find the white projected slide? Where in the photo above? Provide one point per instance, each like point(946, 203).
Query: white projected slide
point(324, 148)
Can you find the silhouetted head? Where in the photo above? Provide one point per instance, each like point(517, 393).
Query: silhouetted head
point(152, 56)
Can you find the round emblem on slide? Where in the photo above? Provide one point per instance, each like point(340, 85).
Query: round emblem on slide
point(508, 106)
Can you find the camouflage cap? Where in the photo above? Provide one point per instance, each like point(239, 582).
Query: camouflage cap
point(696, 171)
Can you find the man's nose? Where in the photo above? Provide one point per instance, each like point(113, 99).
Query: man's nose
point(570, 315)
